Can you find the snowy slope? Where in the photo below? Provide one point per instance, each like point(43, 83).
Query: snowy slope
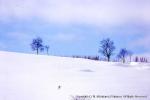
point(32, 77)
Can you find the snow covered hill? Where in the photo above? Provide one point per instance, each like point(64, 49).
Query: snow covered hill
point(32, 77)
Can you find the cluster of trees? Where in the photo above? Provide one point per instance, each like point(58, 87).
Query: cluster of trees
point(37, 45)
point(87, 57)
point(140, 59)
point(106, 48)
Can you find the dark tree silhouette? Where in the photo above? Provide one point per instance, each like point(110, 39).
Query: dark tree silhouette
point(123, 54)
point(47, 49)
point(106, 48)
point(37, 45)
point(136, 59)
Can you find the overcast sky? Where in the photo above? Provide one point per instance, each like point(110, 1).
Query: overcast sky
point(75, 27)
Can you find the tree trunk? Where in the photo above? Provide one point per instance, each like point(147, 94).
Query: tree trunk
point(37, 51)
point(108, 58)
point(123, 60)
point(47, 52)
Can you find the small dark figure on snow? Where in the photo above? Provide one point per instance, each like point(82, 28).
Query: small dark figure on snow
point(59, 87)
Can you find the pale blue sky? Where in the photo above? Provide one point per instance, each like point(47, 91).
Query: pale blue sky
point(72, 27)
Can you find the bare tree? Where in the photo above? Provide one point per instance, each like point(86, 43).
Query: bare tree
point(107, 48)
point(37, 45)
point(47, 49)
point(123, 54)
point(143, 59)
point(136, 59)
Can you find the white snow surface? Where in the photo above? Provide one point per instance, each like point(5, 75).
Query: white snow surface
point(37, 77)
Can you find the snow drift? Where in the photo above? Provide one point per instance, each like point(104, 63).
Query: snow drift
point(32, 77)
